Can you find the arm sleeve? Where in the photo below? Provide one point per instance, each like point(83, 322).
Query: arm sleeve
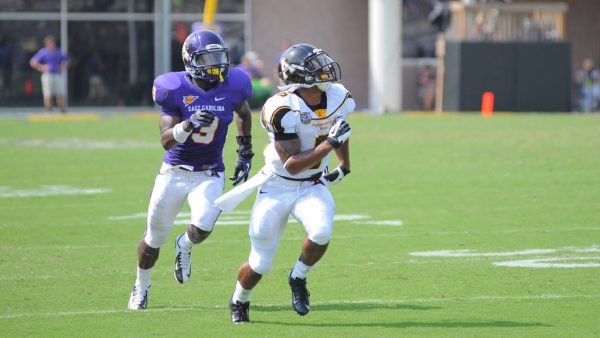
point(37, 57)
point(244, 85)
point(347, 107)
point(282, 123)
point(161, 97)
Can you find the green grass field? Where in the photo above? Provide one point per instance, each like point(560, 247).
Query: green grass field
point(448, 226)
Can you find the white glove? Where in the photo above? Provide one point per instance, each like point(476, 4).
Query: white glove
point(336, 175)
point(339, 133)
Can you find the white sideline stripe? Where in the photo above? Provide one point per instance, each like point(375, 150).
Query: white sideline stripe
point(472, 253)
point(181, 214)
point(364, 301)
point(551, 263)
point(391, 223)
point(78, 143)
point(48, 190)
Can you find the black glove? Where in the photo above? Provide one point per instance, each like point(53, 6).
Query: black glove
point(336, 175)
point(339, 133)
point(201, 118)
point(244, 159)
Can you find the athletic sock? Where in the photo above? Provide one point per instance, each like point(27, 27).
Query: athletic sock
point(300, 270)
point(240, 294)
point(184, 242)
point(143, 277)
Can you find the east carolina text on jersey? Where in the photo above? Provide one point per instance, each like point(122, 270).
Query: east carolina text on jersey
point(286, 116)
point(178, 96)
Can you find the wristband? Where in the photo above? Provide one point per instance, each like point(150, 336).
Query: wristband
point(243, 140)
point(179, 134)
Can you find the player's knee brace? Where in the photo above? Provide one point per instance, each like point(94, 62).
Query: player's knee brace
point(156, 237)
point(261, 264)
point(321, 236)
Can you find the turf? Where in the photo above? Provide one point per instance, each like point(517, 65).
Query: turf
point(491, 188)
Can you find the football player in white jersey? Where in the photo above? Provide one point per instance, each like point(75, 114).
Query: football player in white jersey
point(305, 122)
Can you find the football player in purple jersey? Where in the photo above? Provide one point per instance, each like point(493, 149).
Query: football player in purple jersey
point(197, 106)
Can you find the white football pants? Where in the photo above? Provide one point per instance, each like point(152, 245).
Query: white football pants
point(311, 204)
point(171, 187)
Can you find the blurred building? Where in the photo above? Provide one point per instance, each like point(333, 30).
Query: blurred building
point(119, 46)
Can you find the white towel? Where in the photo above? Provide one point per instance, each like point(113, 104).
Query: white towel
point(228, 201)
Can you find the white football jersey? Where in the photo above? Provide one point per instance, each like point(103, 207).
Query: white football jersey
point(286, 116)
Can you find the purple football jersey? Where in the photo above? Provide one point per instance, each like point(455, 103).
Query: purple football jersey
point(179, 96)
point(54, 59)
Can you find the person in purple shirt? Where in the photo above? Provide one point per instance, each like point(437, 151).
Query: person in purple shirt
point(51, 62)
point(197, 106)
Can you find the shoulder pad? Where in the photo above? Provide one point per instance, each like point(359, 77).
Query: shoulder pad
point(163, 84)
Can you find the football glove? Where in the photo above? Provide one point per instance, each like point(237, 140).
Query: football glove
point(339, 133)
point(336, 175)
point(201, 118)
point(244, 160)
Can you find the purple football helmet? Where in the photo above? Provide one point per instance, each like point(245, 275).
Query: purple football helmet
point(205, 56)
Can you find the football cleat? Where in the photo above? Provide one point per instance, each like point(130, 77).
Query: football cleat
point(300, 295)
point(139, 298)
point(240, 312)
point(183, 262)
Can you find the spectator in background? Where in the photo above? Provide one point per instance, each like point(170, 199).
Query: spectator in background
point(588, 84)
point(97, 91)
point(426, 82)
point(51, 62)
point(261, 85)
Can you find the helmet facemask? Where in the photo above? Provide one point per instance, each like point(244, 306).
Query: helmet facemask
point(211, 64)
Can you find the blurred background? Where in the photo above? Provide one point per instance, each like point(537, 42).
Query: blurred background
point(395, 55)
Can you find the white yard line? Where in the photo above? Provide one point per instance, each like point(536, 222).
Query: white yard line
point(48, 190)
point(386, 302)
point(473, 253)
point(553, 262)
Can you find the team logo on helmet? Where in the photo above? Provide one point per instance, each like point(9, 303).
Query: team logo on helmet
point(213, 46)
point(187, 100)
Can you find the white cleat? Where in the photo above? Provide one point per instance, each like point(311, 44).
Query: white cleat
point(139, 298)
point(183, 262)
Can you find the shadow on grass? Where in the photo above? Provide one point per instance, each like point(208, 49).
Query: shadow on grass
point(346, 307)
point(444, 324)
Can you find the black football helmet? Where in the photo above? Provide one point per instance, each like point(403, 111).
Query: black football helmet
point(205, 57)
point(305, 65)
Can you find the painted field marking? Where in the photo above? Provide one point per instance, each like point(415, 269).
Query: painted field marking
point(236, 218)
point(552, 262)
point(383, 302)
point(472, 253)
point(547, 262)
point(63, 117)
point(390, 223)
point(77, 143)
point(48, 190)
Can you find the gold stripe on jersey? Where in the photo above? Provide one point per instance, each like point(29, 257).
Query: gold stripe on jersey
point(276, 118)
point(348, 95)
point(321, 113)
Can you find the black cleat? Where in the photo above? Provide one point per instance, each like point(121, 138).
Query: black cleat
point(300, 296)
point(240, 312)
